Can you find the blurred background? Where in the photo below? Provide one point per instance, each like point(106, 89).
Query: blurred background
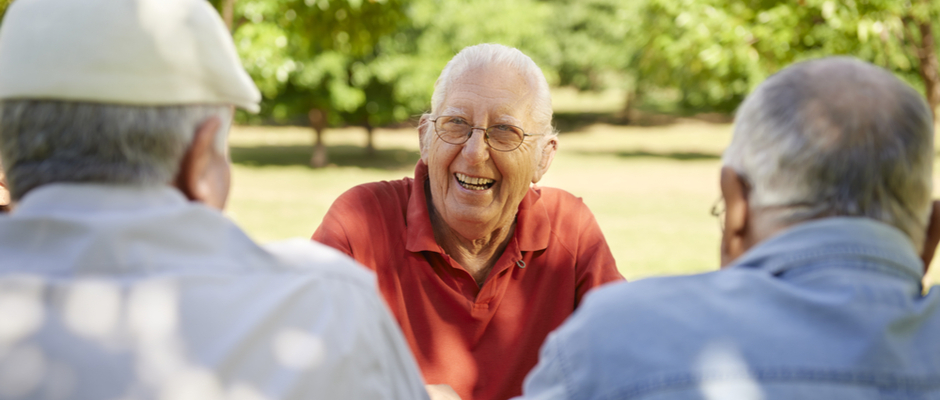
point(644, 93)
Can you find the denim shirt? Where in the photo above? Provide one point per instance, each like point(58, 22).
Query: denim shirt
point(828, 309)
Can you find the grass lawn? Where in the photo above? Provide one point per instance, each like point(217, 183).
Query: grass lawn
point(650, 188)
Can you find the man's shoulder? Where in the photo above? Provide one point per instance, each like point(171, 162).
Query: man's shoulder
point(307, 257)
point(556, 197)
point(560, 206)
point(628, 337)
point(663, 311)
point(650, 295)
point(378, 194)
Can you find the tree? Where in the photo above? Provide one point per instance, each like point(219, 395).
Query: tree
point(309, 57)
point(715, 52)
point(411, 60)
point(594, 49)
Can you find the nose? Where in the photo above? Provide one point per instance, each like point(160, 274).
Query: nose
point(475, 149)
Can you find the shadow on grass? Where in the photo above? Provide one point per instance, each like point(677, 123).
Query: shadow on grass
point(568, 122)
point(342, 156)
point(679, 156)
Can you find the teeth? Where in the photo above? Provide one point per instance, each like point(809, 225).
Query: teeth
point(474, 182)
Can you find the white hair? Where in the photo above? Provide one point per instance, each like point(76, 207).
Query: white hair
point(837, 137)
point(46, 141)
point(488, 54)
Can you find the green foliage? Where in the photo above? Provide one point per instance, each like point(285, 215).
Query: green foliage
point(594, 41)
point(414, 57)
point(374, 62)
point(314, 54)
point(716, 51)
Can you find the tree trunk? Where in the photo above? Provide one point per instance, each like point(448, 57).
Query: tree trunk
point(228, 13)
point(629, 106)
point(929, 68)
point(318, 121)
point(370, 146)
point(925, 50)
point(318, 159)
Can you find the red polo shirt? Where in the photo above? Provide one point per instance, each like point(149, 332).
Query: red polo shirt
point(480, 340)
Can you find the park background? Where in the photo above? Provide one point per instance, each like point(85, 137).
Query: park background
point(644, 93)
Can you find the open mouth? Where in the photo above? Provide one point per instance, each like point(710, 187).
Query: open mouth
point(473, 183)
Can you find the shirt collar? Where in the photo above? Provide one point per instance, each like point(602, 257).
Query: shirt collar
point(533, 226)
point(834, 237)
point(92, 197)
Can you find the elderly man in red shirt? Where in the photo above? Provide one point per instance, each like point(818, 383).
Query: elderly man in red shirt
point(477, 264)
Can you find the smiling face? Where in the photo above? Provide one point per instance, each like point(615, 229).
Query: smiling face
point(476, 190)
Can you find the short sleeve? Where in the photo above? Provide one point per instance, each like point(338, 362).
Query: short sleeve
point(366, 222)
point(331, 231)
point(595, 263)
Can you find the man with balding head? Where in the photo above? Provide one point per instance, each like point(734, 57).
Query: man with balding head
point(119, 276)
point(826, 186)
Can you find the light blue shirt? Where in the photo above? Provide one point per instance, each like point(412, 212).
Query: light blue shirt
point(125, 292)
point(829, 309)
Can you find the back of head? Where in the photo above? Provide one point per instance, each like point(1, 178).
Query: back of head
point(112, 91)
point(836, 137)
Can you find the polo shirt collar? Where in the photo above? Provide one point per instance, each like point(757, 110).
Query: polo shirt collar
point(533, 226)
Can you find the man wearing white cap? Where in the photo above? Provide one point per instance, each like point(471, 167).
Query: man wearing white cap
point(119, 277)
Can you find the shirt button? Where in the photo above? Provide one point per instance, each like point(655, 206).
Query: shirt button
point(520, 263)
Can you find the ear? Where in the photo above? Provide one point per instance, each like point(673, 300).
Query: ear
point(200, 172)
point(735, 238)
point(932, 237)
point(4, 195)
point(424, 124)
point(545, 160)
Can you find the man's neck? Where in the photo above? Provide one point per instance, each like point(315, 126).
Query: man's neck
point(476, 255)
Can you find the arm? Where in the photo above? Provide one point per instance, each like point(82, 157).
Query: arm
point(595, 263)
point(332, 231)
point(358, 223)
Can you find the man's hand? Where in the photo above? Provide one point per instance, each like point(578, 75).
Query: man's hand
point(932, 238)
point(442, 392)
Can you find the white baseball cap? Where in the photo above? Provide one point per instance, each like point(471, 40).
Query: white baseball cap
point(137, 52)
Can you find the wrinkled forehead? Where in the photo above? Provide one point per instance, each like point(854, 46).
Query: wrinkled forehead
point(495, 90)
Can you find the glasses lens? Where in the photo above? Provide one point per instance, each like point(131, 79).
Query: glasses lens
point(452, 130)
point(505, 137)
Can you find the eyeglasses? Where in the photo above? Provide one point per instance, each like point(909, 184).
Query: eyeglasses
point(718, 211)
point(501, 137)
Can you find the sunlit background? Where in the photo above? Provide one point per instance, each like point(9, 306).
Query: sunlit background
point(644, 93)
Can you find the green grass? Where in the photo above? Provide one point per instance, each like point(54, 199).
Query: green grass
point(649, 188)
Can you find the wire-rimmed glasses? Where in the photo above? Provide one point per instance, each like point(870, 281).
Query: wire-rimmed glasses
point(500, 137)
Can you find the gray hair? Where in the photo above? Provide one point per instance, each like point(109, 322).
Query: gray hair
point(496, 54)
point(46, 141)
point(837, 137)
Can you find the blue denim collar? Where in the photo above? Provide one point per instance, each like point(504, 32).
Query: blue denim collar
point(844, 237)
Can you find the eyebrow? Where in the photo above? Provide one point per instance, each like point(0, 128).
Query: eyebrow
point(500, 119)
